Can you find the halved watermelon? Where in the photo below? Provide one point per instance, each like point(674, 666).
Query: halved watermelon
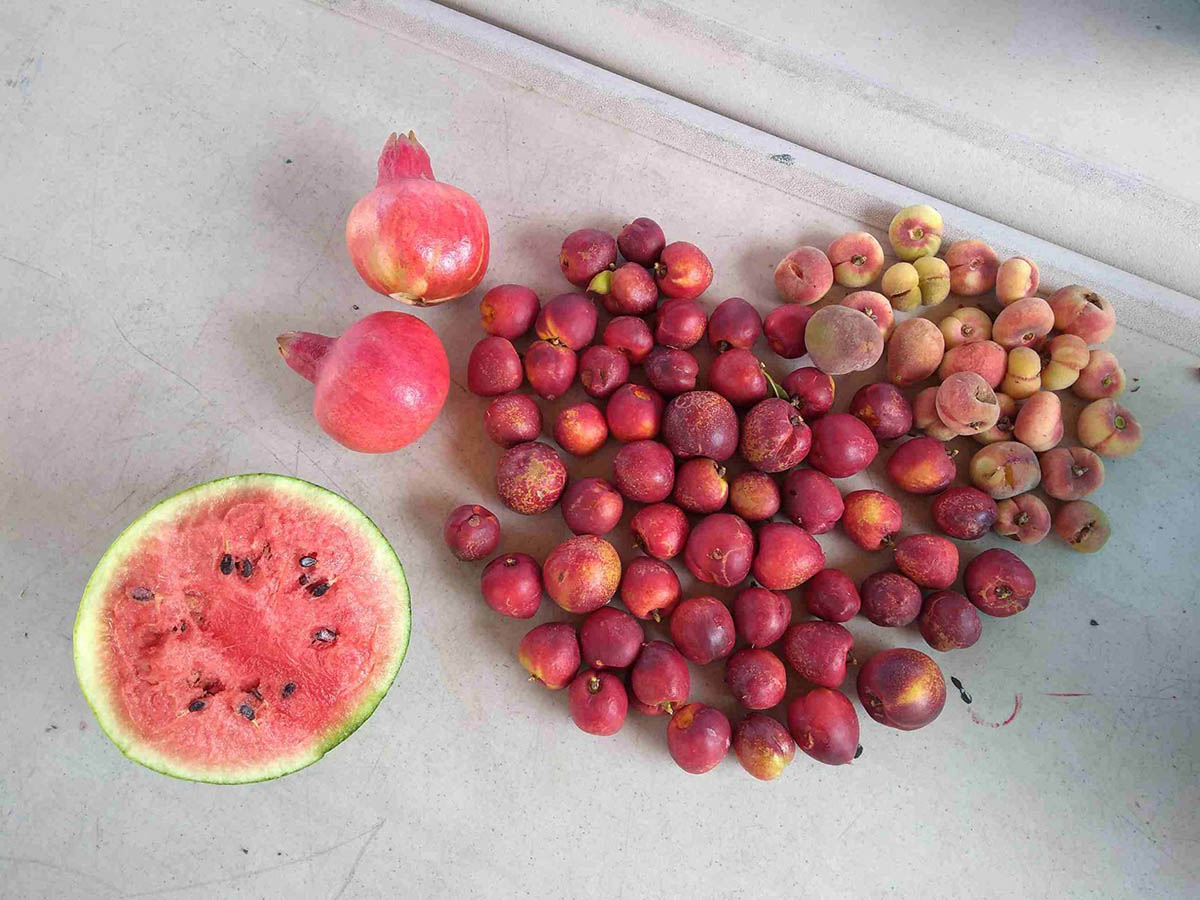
point(240, 629)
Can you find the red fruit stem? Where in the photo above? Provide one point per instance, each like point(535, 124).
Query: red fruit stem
point(303, 351)
point(403, 157)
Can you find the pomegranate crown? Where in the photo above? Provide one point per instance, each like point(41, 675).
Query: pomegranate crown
point(403, 157)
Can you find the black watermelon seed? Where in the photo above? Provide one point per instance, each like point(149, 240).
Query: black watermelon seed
point(306, 561)
point(196, 705)
point(226, 564)
point(319, 589)
point(246, 711)
point(325, 635)
point(966, 697)
point(245, 568)
point(289, 689)
point(142, 595)
point(1093, 622)
point(954, 681)
point(858, 752)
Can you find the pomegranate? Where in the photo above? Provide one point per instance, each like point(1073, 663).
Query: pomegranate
point(379, 386)
point(414, 238)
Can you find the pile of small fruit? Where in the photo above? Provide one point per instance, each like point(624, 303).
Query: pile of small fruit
point(997, 380)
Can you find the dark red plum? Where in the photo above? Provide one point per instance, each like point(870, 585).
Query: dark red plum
point(660, 676)
point(737, 376)
point(890, 599)
point(641, 241)
point(650, 588)
point(754, 496)
point(784, 328)
point(598, 702)
point(568, 320)
point(512, 419)
point(550, 369)
point(761, 616)
point(928, 559)
point(550, 654)
point(634, 413)
point(774, 436)
point(585, 253)
point(832, 595)
point(683, 271)
point(902, 688)
point(965, 513)
point(512, 585)
point(631, 292)
point(700, 486)
point(734, 324)
point(948, 621)
point(763, 746)
point(818, 651)
point(998, 583)
point(671, 371)
point(471, 532)
point(701, 423)
point(698, 738)
point(602, 370)
point(580, 429)
point(661, 530)
point(610, 638)
point(825, 726)
point(631, 336)
point(591, 506)
point(811, 500)
point(644, 471)
point(508, 310)
point(884, 409)
point(493, 368)
point(811, 389)
point(841, 445)
point(756, 678)
point(530, 478)
point(680, 324)
point(787, 556)
point(720, 550)
point(703, 629)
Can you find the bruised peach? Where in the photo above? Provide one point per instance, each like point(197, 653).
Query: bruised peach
point(965, 513)
point(825, 726)
point(922, 466)
point(841, 445)
point(738, 376)
point(680, 323)
point(671, 371)
point(761, 616)
point(698, 738)
point(734, 324)
point(787, 556)
point(582, 573)
point(568, 320)
point(634, 413)
point(700, 486)
point(631, 291)
point(1063, 357)
point(602, 370)
point(1083, 525)
point(720, 550)
point(890, 599)
point(550, 654)
point(512, 419)
point(966, 403)
point(1102, 377)
point(1084, 313)
point(1016, 279)
point(832, 595)
point(902, 688)
point(948, 621)
point(591, 506)
point(682, 270)
point(966, 325)
point(701, 423)
point(883, 409)
point(901, 284)
point(703, 630)
point(985, 358)
point(644, 471)
point(1039, 424)
point(926, 418)
point(973, 266)
point(841, 340)
point(785, 327)
point(1023, 375)
point(756, 678)
point(650, 588)
point(857, 259)
point(1005, 469)
point(1003, 429)
point(914, 351)
point(530, 478)
point(934, 279)
point(580, 429)
point(1071, 473)
point(754, 496)
point(1023, 323)
point(811, 390)
point(1108, 428)
point(763, 746)
point(874, 306)
point(928, 559)
point(631, 336)
point(774, 436)
point(804, 276)
point(1024, 518)
point(998, 583)
point(915, 232)
point(811, 500)
point(872, 519)
point(660, 529)
point(818, 651)
point(550, 369)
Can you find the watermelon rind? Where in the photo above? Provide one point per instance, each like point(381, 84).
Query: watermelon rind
point(89, 633)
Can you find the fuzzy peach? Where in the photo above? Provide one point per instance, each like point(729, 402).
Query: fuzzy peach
point(804, 276)
point(926, 418)
point(1084, 313)
point(914, 351)
point(901, 284)
point(934, 279)
point(1023, 374)
point(1083, 525)
point(842, 340)
point(1024, 518)
point(1108, 428)
point(874, 306)
point(1063, 358)
point(1039, 423)
point(1003, 429)
point(985, 358)
point(857, 259)
point(966, 325)
point(973, 266)
point(1101, 377)
point(923, 466)
point(1016, 278)
point(1023, 324)
point(1005, 469)
point(1071, 473)
point(966, 403)
point(916, 232)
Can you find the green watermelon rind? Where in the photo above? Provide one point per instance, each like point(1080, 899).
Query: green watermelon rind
point(89, 639)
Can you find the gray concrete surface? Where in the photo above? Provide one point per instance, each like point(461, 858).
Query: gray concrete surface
point(172, 204)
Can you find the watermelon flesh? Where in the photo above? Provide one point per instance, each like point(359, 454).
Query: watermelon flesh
point(239, 630)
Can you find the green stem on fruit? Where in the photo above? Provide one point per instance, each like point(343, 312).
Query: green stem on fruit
point(601, 283)
point(772, 383)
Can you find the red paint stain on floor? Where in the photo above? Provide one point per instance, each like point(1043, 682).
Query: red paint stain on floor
point(1016, 709)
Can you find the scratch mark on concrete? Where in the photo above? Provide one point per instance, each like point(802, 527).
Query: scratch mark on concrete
point(89, 877)
point(25, 265)
point(142, 353)
point(124, 500)
point(358, 859)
